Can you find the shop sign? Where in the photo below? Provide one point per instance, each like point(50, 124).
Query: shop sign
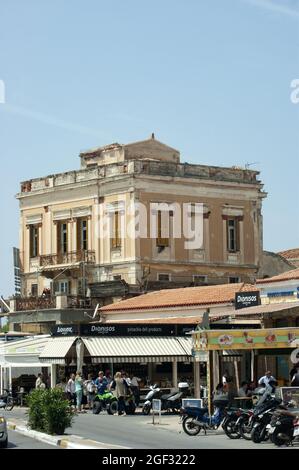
point(65, 330)
point(247, 299)
point(127, 330)
point(200, 356)
point(245, 339)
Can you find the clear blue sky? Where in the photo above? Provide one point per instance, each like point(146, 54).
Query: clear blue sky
point(210, 78)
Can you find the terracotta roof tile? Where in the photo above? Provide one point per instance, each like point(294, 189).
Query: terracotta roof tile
point(188, 296)
point(287, 276)
point(290, 254)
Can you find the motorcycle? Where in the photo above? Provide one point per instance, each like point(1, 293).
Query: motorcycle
point(229, 423)
point(154, 393)
point(171, 401)
point(283, 428)
point(259, 431)
point(248, 418)
point(196, 419)
point(105, 401)
point(6, 400)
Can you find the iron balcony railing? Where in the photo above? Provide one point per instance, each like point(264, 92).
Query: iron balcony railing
point(72, 257)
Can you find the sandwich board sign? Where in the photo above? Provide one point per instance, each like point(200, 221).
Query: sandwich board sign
point(156, 407)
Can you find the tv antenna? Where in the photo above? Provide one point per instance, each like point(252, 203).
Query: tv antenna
point(248, 165)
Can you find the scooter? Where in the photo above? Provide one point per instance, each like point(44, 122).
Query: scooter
point(283, 428)
point(247, 419)
point(171, 401)
point(154, 393)
point(6, 400)
point(196, 419)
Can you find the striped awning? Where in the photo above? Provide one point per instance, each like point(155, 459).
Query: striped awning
point(138, 349)
point(122, 349)
point(56, 350)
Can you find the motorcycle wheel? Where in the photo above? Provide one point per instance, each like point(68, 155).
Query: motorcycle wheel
point(231, 429)
point(244, 430)
point(9, 404)
point(257, 434)
point(146, 409)
point(112, 408)
point(280, 441)
point(97, 407)
point(190, 427)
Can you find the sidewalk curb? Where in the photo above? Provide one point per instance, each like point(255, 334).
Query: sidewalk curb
point(64, 442)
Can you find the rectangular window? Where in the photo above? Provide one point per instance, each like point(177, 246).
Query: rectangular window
point(34, 290)
point(199, 280)
point(233, 235)
point(161, 242)
point(163, 277)
point(34, 241)
point(62, 238)
point(82, 235)
point(61, 287)
point(233, 279)
point(116, 236)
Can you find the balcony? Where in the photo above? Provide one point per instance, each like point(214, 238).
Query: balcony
point(72, 257)
point(34, 303)
point(22, 304)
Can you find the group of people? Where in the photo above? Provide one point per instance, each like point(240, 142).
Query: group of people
point(122, 385)
point(227, 387)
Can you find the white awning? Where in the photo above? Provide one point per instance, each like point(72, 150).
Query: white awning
point(56, 350)
point(138, 349)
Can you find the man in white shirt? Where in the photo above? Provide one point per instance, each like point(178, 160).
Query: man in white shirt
point(266, 379)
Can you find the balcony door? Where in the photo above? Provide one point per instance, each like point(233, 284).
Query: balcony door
point(82, 235)
point(62, 240)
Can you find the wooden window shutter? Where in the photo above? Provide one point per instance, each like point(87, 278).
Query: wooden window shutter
point(59, 227)
point(78, 240)
point(161, 241)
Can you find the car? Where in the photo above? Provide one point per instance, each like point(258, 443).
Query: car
point(3, 432)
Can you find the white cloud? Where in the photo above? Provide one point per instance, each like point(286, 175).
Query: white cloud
point(51, 120)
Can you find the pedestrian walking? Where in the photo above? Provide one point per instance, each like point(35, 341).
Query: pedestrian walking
point(91, 390)
point(70, 389)
point(79, 390)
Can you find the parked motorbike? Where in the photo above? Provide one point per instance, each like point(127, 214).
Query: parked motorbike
point(248, 418)
point(6, 400)
point(196, 419)
point(169, 402)
point(154, 393)
point(283, 428)
point(259, 430)
point(105, 401)
point(229, 423)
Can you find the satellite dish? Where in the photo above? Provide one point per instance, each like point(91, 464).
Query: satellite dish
point(295, 356)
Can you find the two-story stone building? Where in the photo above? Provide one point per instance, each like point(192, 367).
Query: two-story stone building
point(68, 260)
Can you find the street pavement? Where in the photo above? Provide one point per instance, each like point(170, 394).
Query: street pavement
point(138, 432)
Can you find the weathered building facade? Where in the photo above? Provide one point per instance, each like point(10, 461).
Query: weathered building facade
point(68, 260)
